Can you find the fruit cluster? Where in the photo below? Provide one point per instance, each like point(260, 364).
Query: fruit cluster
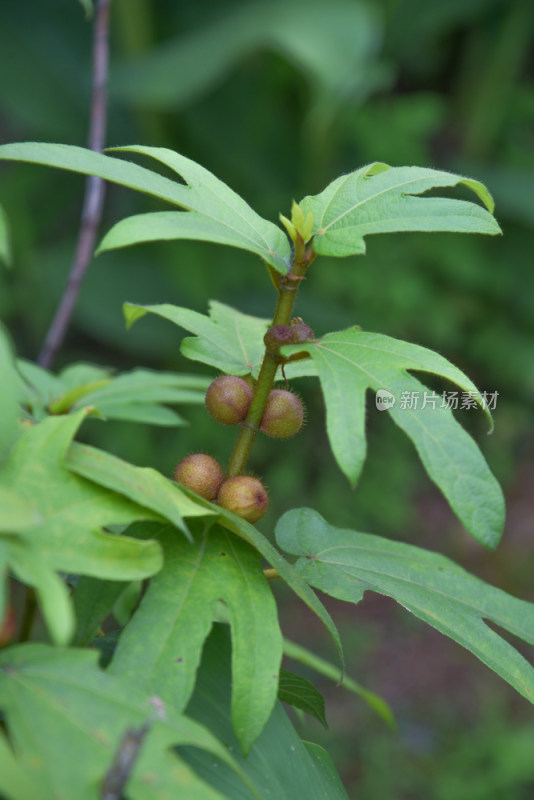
point(228, 400)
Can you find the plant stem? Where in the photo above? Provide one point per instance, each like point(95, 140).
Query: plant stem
point(94, 191)
point(289, 286)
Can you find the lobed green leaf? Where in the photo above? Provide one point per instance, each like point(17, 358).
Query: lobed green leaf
point(227, 340)
point(346, 563)
point(95, 716)
point(217, 213)
point(143, 485)
point(352, 361)
point(160, 648)
point(285, 570)
point(378, 198)
point(213, 212)
point(279, 763)
point(62, 529)
point(136, 396)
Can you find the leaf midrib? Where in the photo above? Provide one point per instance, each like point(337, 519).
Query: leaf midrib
point(362, 202)
point(471, 609)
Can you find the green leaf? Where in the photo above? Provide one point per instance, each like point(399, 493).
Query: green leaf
point(352, 361)
point(345, 564)
point(302, 694)
point(144, 386)
point(285, 570)
point(53, 596)
point(16, 782)
point(279, 764)
point(74, 510)
point(9, 407)
point(73, 396)
point(227, 340)
point(147, 413)
point(135, 396)
point(304, 656)
point(94, 599)
point(216, 214)
point(16, 513)
point(160, 649)
point(125, 603)
point(143, 485)
point(90, 712)
point(327, 768)
point(213, 212)
point(37, 388)
point(93, 602)
point(378, 198)
point(5, 243)
point(70, 512)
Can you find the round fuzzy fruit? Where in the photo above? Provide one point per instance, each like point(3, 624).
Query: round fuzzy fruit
point(228, 399)
point(283, 415)
point(245, 496)
point(200, 473)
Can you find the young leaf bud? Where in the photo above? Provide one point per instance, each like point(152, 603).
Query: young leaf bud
point(200, 473)
point(277, 336)
point(228, 399)
point(302, 333)
point(245, 496)
point(283, 415)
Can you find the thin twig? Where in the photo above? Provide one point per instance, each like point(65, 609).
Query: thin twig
point(94, 190)
point(125, 759)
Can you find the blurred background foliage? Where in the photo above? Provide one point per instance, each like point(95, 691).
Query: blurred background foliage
point(278, 98)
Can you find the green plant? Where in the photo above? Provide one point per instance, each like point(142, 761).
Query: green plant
point(170, 708)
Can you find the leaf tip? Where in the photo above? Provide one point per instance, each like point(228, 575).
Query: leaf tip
point(132, 313)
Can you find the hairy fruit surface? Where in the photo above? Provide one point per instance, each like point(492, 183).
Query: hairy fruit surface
point(283, 415)
point(200, 473)
point(245, 496)
point(228, 399)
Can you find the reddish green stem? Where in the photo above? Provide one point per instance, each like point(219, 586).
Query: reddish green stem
point(289, 286)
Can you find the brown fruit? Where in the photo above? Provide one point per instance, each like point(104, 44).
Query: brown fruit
point(245, 496)
point(200, 473)
point(283, 415)
point(228, 399)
